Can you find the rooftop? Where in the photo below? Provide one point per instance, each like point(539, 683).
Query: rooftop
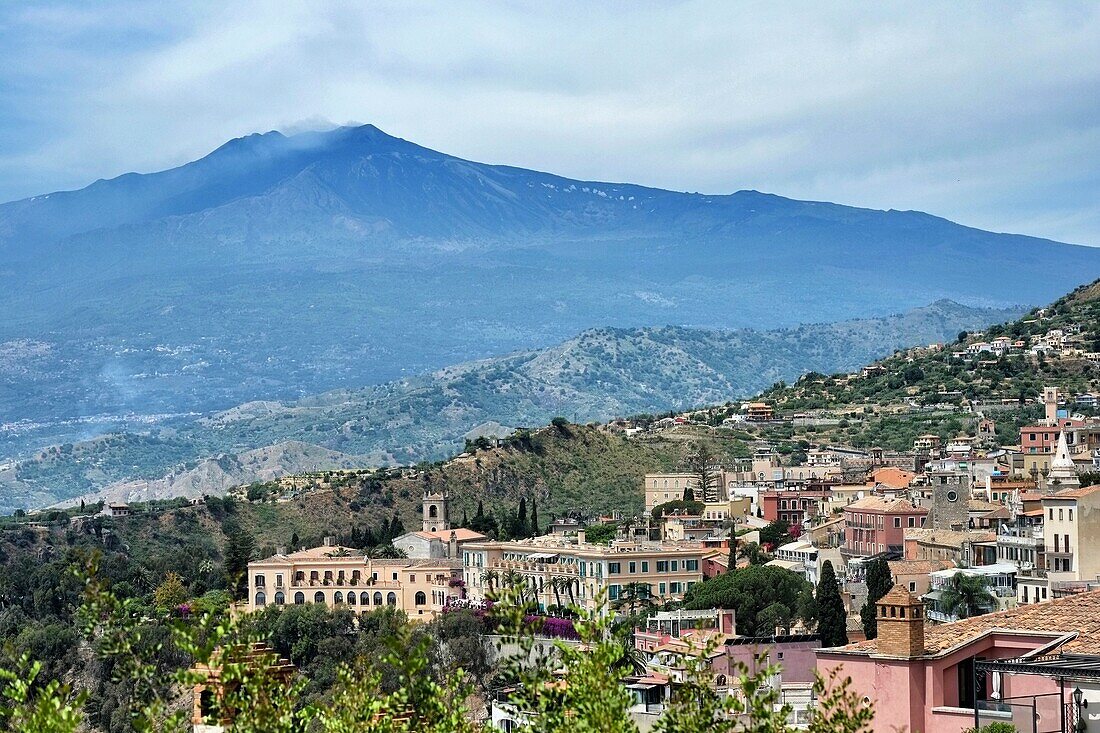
point(1077, 614)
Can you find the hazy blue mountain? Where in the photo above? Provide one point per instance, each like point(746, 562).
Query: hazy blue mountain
point(595, 375)
point(279, 266)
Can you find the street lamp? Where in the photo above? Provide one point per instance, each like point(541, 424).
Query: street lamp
point(1079, 704)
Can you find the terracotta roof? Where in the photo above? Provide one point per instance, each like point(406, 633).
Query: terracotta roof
point(918, 567)
point(1079, 613)
point(881, 504)
point(1075, 493)
point(895, 478)
point(949, 537)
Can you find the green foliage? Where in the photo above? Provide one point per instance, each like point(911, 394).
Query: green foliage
point(775, 534)
point(678, 506)
point(601, 534)
point(967, 595)
point(832, 621)
point(26, 705)
point(997, 727)
point(879, 582)
point(763, 596)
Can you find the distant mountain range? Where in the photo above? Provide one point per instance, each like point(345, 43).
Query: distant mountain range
point(597, 375)
point(277, 267)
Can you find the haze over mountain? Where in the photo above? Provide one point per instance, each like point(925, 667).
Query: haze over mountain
point(281, 266)
point(596, 375)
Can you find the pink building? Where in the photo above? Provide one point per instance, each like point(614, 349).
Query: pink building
point(1011, 663)
point(876, 524)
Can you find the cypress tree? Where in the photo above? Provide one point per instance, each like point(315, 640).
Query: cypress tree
point(534, 518)
point(879, 583)
point(294, 542)
point(832, 622)
point(465, 521)
point(520, 530)
point(731, 565)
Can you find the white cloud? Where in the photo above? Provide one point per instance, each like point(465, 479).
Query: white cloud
point(986, 114)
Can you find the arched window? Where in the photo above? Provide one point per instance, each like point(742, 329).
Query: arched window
point(364, 599)
point(433, 512)
point(378, 599)
point(351, 599)
point(338, 597)
point(421, 599)
point(318, 597)
point(391, 599)
point(261, 599)
point(280, 599)
point(299, 598)
point(720, 680)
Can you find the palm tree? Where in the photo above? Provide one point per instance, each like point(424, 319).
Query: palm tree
point(557, 584)
point(966, 596)
point(491, 577)
point(634, 596)
point(569, 583)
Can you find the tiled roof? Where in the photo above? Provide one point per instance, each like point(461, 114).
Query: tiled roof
point(880, 504)
point(895, 478)
point(949, 537)
point(1076, 493)
point(918, 567)
point(1079, 613)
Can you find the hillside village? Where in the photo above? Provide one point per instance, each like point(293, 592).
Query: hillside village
point(963, 547)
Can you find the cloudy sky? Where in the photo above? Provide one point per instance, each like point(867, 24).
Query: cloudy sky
point(986, 113)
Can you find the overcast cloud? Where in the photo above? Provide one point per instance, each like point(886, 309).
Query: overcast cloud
point(988, 114)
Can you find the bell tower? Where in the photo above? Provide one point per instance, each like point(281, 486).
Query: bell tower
point(436, 513)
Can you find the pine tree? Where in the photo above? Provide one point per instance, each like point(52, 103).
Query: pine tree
point(879, 582)
point(832, 622)
point(239, 545)
point(534, 518)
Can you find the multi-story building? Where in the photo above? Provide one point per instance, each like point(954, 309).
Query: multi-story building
point(340, 576)
point(875, 525)
point(665, 487)
point(794, 505)
point(1071, 537)
point(559, 571)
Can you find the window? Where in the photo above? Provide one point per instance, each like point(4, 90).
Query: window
point(613, 592)
point(897, 522)
point(299, 598)
point(662, 588)
point(1071, 515)
point(279, 579)
point(391, 599)
point(420, 598)
point(691, 565)
point(351, 598)
point(364, 599)
point(633, 568)
point(338, 597)
point(280, 599)
point(674, 587)
point(259, 581)
point(912, 587)
point(645, 566)
point(1059, 514)
point(614, 568)
point(1051, 514)
point(318, 597)
point(674, 565)
point(261, 599)
point(662, 566)
point(912, 521)
point(395, 576)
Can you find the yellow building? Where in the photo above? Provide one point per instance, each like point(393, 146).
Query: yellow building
point(565, 570)
point(340, 576)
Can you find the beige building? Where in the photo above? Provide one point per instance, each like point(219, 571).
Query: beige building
point(340, 576)
point(1071, 535)
point(663, 487)
point(563, 570)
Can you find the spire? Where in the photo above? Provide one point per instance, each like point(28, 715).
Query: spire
point(1062, 469)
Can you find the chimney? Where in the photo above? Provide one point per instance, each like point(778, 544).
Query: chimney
point(329, 541)
point(580, 537)
point(280, 550)
point(452, 545)
point(900, 624)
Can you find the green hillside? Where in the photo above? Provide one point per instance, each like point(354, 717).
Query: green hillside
point(923, 376)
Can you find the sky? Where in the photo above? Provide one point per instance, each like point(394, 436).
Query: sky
point(985, 113)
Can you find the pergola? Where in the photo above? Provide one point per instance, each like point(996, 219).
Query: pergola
point(1061, 667)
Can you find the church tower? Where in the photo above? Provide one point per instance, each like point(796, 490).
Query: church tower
point(437, 516)
point(1050, 405)
point(1063, 474)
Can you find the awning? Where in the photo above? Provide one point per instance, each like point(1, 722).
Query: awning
point(642, 686)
